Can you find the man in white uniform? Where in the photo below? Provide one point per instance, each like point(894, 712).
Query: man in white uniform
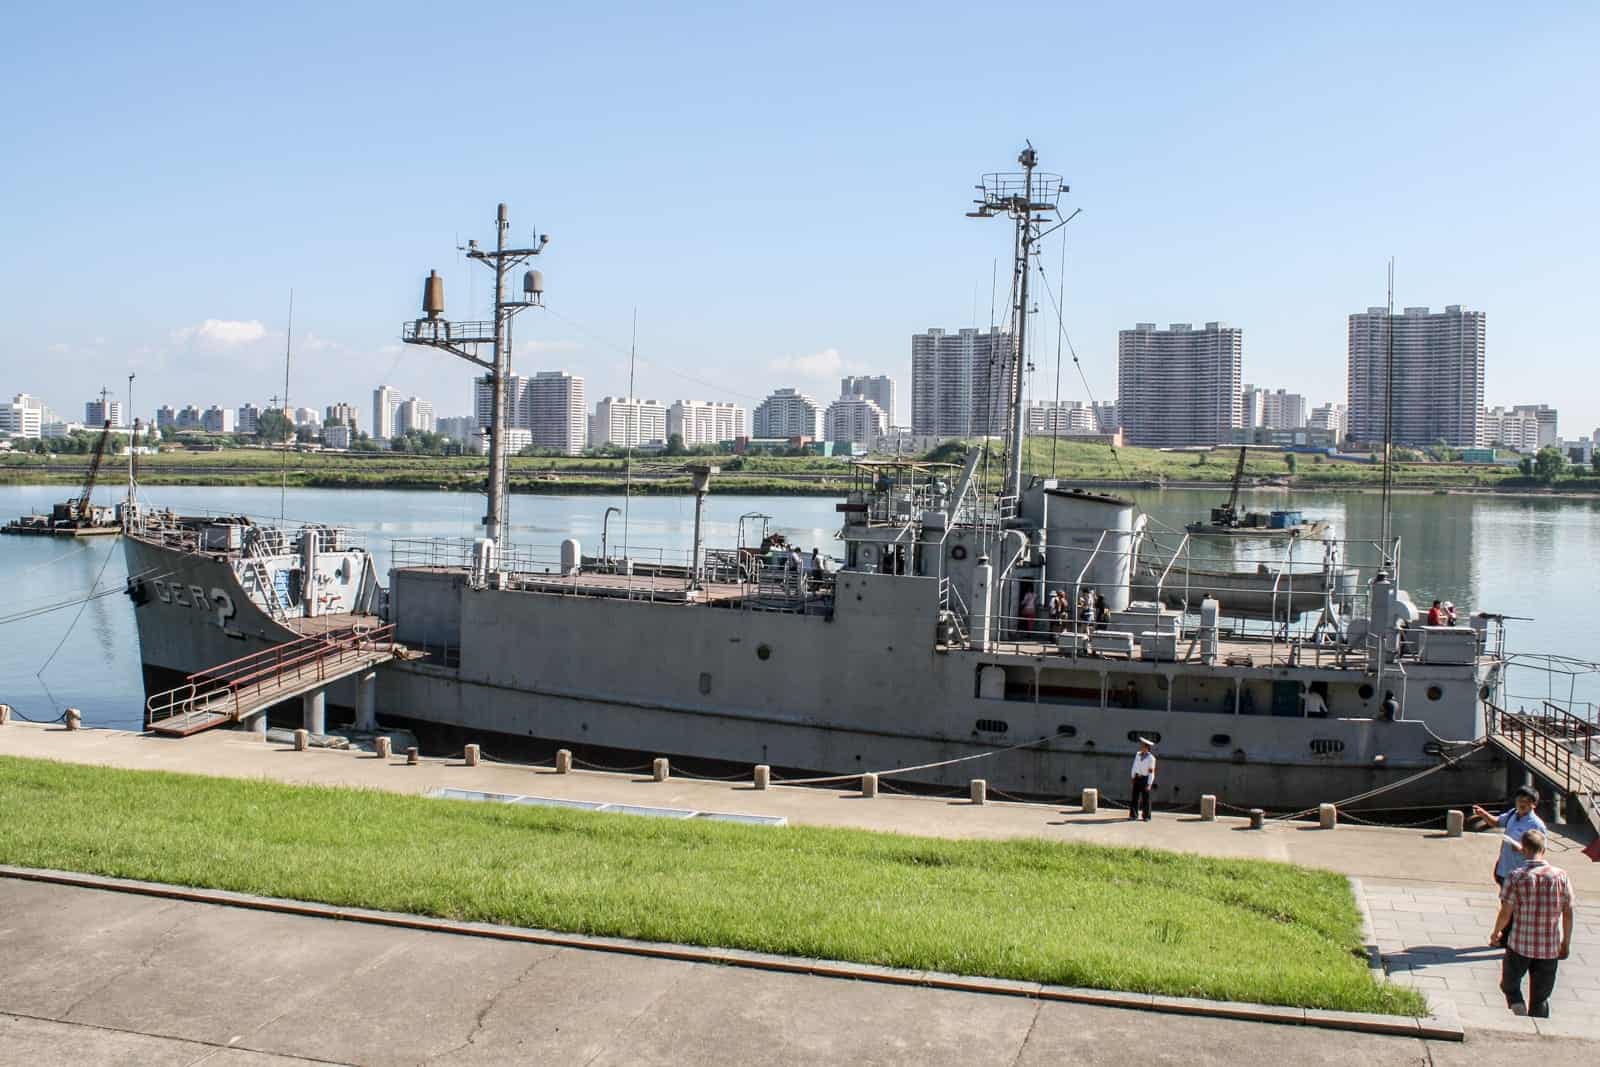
point(1144, 780)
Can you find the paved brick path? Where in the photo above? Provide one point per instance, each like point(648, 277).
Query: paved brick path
point(1434, 938)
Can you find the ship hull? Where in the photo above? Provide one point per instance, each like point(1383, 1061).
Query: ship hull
point(840, 694)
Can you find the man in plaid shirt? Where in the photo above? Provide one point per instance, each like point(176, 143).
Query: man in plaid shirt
point(1539, 897)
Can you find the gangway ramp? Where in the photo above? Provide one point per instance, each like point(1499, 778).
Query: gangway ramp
point(1556, 746)
point(248, 686)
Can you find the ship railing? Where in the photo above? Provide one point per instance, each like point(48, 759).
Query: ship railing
point(784, 589)
point(1534, 742)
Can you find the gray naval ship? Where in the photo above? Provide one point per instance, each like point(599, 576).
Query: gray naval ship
point(1016, 630)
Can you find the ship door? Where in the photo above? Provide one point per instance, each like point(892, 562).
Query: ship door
point(1286, 699)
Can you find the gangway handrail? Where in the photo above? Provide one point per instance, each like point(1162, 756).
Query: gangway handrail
point(230, 684)
point(1545, 747)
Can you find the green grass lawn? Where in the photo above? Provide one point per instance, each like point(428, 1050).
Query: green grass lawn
point(1129, 919)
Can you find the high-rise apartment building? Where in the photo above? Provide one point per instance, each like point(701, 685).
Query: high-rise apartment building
point(22, 416)
point(1050, 418)
point(705, 422)
point(96, 412)
point(306, 419)
point(1438, 376)
point(628, 422)
point(217, 420)
point(1106, 419)
point(855, 419)
point(1273, 409)
point(1329, 417)
point(1545, 415)
point(463, 429)
point(958, 382)
point(340, 414)
point(516, 401)
point(337, 435)
point(1517, 428)
point(1180, 386)
point(878, 388)
point(556, 412)
point(166, 415)
point(415, 416)
point(787, 413)
point(247, 418)
point(386, 412)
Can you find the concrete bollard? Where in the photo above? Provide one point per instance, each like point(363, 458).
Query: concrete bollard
point(413, 757)
point(660, 769)
point(1258, 819)
point(763, 775)
point(1327, 816)
point(469, 755)
point(869, 785)
point(1208, 807)
point(1454, 821)
point(74, 718)
point(1091, 801)
point(563, 761)
point(381, 746)
point(5, 714)
point(980, 791)
point(302, 740)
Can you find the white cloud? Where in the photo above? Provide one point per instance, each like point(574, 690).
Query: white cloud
point(221, 333)
point(825, 364)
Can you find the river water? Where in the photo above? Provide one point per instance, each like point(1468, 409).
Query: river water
point(1538, 558)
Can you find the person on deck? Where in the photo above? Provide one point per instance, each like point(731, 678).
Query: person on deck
point(1436, 615)
point(1390, 708)
point(1144, 781)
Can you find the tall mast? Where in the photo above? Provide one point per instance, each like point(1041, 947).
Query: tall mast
point(1029, 199)
point(467, 339)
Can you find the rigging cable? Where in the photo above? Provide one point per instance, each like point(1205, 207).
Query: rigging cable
point(1076, 362)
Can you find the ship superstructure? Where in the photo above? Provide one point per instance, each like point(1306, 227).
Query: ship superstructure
point(1015, 628)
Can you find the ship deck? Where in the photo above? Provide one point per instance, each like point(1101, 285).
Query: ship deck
point(656, 588)
point(1243, 651)
point(323, 624)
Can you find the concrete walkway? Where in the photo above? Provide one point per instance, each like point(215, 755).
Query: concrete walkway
point(114, 978)
point(1429, 896)
point(1434, 938)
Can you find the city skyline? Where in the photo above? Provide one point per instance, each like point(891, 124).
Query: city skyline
point(280, 190)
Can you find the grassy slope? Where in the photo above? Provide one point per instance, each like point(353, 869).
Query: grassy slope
point(1035, 910)
point(758, 474)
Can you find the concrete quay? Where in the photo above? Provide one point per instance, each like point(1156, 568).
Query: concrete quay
point(1428, 896)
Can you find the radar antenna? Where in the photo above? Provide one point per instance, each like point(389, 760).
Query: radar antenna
point(467, 339)
point(1029, 199)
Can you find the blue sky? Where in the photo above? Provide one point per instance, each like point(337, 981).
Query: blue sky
point(779, 189)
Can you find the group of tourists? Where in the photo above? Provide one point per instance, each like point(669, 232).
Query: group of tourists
point(1089, 613)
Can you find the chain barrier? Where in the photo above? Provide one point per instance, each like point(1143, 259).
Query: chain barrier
point(918, 767)
point(576, 762)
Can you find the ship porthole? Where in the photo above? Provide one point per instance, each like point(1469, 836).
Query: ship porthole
point(763, 652)
point(1483, 693)
point(958, 552)
point(1366, 691)
point(1435, 692)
